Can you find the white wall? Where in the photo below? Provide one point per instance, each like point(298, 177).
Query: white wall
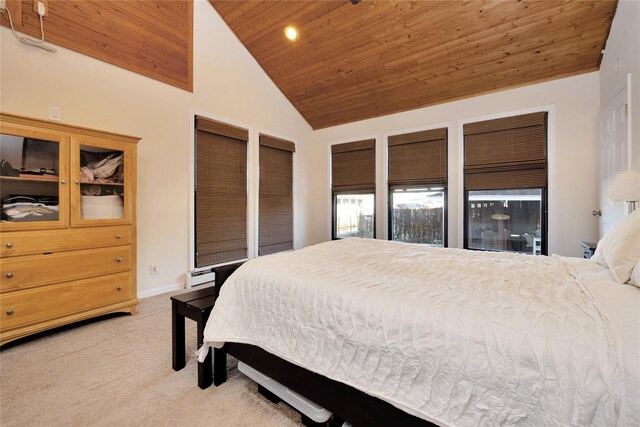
point(574, 185)
point(228, 83)
point(239, 89)
point(621, 57)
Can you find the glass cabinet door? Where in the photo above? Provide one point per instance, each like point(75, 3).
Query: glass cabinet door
point(101, 189)
point(33, 179)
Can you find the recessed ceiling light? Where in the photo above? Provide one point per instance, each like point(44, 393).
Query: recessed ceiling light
point(291, 33)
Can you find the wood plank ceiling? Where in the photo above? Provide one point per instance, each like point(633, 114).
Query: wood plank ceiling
point(353, 62)
point(149, 37)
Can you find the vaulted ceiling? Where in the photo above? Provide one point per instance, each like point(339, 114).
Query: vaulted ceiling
point(353, 62)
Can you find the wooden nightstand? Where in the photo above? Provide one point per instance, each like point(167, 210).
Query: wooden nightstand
point(588, 248)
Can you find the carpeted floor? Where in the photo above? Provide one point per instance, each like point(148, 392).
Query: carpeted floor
point(116, 371)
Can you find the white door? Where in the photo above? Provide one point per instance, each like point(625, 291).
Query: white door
point(614, 156)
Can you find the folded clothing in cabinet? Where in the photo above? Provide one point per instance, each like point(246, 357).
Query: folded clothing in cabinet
point(101, 207)
point(23, 212)
point(21, 208)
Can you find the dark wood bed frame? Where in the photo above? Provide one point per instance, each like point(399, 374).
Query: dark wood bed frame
point(343, 401)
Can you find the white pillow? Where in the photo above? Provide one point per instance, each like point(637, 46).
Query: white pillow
point(635, 275)
point(619, 249)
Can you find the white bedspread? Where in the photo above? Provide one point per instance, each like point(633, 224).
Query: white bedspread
point(620, 304)
point(455, 337)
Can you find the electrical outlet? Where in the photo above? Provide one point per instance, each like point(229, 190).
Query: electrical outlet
point(45, 5)
point(153, 268)
point(55, 112)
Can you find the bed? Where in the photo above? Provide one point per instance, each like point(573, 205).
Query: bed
point(416, 334)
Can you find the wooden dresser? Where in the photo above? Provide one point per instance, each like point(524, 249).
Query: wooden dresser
point(68, 229)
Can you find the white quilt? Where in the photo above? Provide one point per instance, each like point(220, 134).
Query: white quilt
point(455, 337)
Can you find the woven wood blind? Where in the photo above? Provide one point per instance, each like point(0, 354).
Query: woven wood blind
point(280, 144)
point(220, 194)
point(353, 166)
point(418, 158)
point(218, 128)
point(275, 219)
point(506, 153)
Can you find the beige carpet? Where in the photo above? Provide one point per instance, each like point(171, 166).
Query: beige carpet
point(116, 371)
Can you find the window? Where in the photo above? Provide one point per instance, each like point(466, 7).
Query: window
point(275, 217)
point(354, 215)
point(505, 179)
point(417, 187)
point(417, 215)
point(353, 184)
point(505, 220)
point(220, 192)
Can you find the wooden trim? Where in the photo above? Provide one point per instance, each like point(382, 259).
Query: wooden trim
point(189, 86)
point(354, 189)
point(505, 180)
point(277, 143)
point(66, 128)
point(417, 183)
point(422, 136)
point(219, 128)
point(505, 123)
point(366, 144)
point(502, 167)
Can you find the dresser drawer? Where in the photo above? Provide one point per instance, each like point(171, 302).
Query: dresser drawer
point(39, 242)
point(35, 305)
point(37, 270)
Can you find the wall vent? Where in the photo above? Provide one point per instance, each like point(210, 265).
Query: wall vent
point(195, 278)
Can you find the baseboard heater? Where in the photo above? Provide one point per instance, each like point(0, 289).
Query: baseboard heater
point(314, 412)
point(195, 278)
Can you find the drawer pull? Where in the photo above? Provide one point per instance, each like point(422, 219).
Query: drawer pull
point(9, 312)
point(9, 275)
point(118, 259)
point(63, 181)
point(119, 288)
point(77, 182)
point(9, 245)
point(118, 236)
